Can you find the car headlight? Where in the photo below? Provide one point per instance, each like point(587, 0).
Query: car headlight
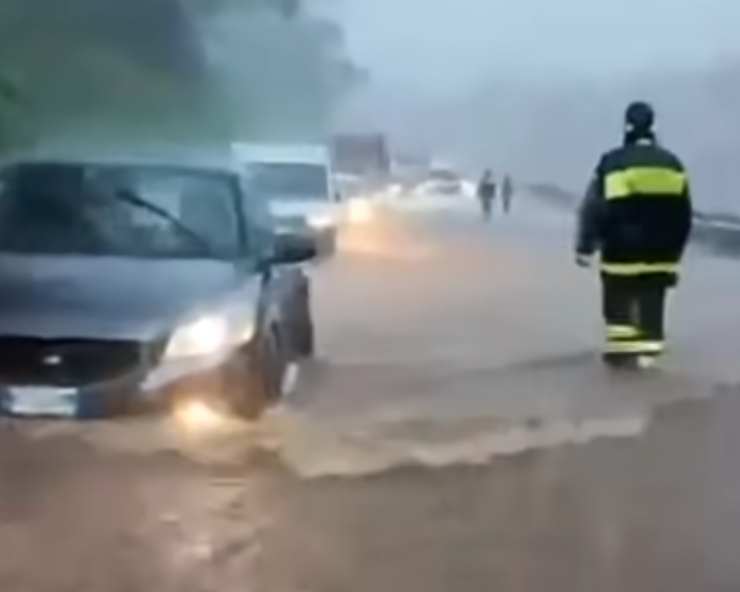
point(206, 336)
point(360, 211)
point(321, 221)
point(203, 337)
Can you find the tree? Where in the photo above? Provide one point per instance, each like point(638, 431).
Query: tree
point(165, 70)
point(8, 90)
point(86, 66)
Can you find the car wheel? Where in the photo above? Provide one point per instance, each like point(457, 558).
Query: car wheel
point(261, 380)
point(304, 333)
point(305, 340)
point(275, 364)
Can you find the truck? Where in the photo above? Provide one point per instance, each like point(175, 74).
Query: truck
point(362, 155)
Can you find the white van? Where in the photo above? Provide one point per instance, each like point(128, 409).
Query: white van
point(297, 181)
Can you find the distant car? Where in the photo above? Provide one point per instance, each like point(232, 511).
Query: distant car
point(442, 182)
point(138, 285)
point(298, 183)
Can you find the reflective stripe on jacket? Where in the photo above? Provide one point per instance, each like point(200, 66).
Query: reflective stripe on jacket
point(637, 211)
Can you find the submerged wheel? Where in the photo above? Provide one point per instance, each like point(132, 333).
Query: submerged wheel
point(259, 380)
point(305, 340)
point(302, 328)
point(304, 336)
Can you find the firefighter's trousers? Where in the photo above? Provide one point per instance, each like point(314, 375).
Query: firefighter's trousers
point(634, 312)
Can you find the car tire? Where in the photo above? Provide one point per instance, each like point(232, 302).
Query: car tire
point(305, 340)
point(274, 364)
point(301, 326)
point(260, 382)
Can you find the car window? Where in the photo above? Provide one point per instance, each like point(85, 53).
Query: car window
point(289, 181)
point(259, 222)
point(203, 204)
point(103, 210)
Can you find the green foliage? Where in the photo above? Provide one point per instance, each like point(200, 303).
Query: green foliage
point(8, 91)
point(164, 70)
point(83, 66)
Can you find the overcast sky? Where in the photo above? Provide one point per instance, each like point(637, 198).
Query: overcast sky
point(538, 87)
point(535, 38)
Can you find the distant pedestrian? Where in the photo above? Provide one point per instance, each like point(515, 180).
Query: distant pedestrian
point(487, 193)
point(507, 193)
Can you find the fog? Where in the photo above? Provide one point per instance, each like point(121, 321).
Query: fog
point(533, 87)
point(539, 88)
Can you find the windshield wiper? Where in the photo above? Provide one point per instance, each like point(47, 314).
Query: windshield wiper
point(128, 197)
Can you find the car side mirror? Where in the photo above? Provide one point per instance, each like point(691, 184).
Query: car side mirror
point(293, 248)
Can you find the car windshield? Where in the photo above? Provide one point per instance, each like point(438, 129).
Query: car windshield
point(289, 181)
point(443, 175)
point(135, 211)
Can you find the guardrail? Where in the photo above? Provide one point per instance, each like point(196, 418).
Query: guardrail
point(719, 232)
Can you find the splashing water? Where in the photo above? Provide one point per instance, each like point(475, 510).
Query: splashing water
point(313, 447)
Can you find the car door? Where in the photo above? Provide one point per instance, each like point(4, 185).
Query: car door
point(283, 286)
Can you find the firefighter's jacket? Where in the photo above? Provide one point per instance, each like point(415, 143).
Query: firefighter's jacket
point(637, 212)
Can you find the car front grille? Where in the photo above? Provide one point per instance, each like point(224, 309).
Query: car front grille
point(62, 362)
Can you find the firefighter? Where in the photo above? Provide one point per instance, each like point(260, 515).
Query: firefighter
point(637, 213)
point(486, 193)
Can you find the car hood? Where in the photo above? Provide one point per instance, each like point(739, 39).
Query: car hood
point(110, 297)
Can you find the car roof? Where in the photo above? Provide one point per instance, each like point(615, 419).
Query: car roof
point(206, 162)
point(281, 153)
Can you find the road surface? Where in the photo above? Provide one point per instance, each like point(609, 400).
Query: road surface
point(455, 433)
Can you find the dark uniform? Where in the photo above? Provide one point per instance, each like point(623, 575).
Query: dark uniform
point(637, 212)
point(507, 192)
point(486, 193)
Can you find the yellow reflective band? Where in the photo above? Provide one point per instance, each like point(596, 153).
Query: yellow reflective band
point(622, 332)
point(635, 347)
point(644, 181)
point(632, 269)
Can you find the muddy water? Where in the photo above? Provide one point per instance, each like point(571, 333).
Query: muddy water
point(442, 342)
point(455, 432)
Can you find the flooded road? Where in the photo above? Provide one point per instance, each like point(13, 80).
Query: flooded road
point(456, 432)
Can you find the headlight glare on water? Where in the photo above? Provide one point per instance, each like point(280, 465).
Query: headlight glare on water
point(195, 415)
